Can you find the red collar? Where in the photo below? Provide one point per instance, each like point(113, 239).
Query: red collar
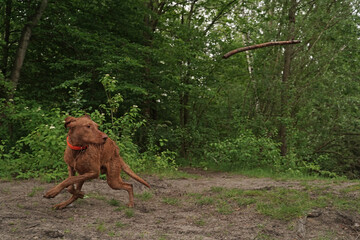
point(77, 148)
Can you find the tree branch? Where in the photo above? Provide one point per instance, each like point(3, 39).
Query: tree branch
point(261, 45)
point(219, 15)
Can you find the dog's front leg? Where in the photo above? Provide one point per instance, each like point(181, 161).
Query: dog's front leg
point(71, 188)
point(70, 181)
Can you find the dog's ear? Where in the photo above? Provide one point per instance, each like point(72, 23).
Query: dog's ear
point(87, 116)
point(68, 121)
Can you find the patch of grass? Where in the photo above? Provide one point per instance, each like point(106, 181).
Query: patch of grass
point(346, 203)
point(114, 202)
point(329, 235)
point(352, 188)
point(129, 212)
point(5, 190)
point(120, 208)
point(201, 199)
point(101, 227)
point(144, 196)
point(224, 208)
point(170, 201)
point(245, 201)
point(285, 204)
point(254, 193)
point(120, 225)
point(287, 175)
point(230, 193)
point(95, 195)
point(264, 236)
point(19, 205)
point(35, 190)
point(204, 200)
point(163, 237)
point(217, 189)
point(200, 222)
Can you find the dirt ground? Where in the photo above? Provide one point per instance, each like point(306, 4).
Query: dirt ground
point(164, 212)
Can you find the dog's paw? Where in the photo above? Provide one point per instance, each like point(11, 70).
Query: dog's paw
point(51, 193)
point(80, 194)
point(130, 205)
point(59, 206)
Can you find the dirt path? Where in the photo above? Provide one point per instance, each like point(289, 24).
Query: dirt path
point(172, 209)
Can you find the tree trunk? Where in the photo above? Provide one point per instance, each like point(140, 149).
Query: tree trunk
point(285, 81)
point(151, 22)
point(8, 9)
point(185, 94)
point(184, 119)
point(23, 45)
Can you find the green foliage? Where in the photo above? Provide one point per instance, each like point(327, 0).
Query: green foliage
point(40, 153)
point(244, 151)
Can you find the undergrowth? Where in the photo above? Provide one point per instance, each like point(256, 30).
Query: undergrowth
point(277, 203)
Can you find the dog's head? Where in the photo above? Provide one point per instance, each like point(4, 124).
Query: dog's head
point(83, 131)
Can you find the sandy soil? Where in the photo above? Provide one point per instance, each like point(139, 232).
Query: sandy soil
point(169, 212)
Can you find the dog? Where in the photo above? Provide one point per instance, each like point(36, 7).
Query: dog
point(90, 152)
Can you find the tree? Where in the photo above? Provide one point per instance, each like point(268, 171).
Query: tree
point(24, 42)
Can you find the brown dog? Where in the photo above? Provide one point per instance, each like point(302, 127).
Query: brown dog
point(88, 153)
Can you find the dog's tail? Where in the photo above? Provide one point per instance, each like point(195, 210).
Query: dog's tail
point(129, 172)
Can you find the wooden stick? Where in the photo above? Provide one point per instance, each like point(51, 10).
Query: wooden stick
point(261, 45)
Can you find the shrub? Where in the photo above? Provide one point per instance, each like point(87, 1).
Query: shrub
point(244, 151)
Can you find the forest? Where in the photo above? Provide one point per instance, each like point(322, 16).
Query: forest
point(152, 74)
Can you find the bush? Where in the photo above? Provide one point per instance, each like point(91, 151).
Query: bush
point(245, 151)
point(40, 153)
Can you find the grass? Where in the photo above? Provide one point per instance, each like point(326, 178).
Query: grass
point(285, 204)
point(205, 200)
point(114, 202)
point(267, 172)
point(96, 196)
point(35, 190)
point(170, 201)
point(101, 227)
point(352, 188)
point(224, 208)
point(144, 196)
point(129, 212)
point(277, 203)
point(120, 225)
point(200, 222)
point(216, 189)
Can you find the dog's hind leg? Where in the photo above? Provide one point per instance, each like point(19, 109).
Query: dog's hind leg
point(115, 182)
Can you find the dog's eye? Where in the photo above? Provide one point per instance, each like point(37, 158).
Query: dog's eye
point(88, 126)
